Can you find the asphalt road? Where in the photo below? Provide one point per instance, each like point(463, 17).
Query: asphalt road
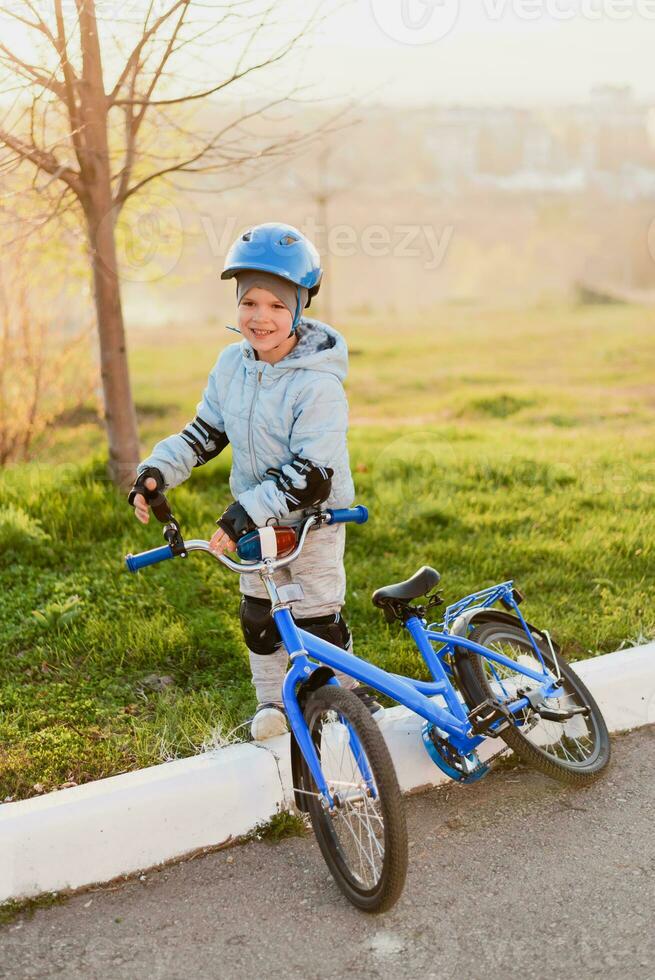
point(515, 876)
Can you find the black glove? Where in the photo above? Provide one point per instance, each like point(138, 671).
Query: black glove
point(155, 498)
point(317, 489)
point(236, 521)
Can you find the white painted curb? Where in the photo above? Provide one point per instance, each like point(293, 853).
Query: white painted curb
point(114, 826)
point(124, 824)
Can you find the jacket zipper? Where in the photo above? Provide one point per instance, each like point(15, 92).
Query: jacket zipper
point(251, 446)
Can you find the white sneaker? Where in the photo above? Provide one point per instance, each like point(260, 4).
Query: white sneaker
point(269, 721)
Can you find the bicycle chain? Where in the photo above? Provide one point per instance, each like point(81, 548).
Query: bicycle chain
point(486, 764)
point(492, 758)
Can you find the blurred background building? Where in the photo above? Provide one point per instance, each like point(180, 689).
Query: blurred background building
point(413, 206)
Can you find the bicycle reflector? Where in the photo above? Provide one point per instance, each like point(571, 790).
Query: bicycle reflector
point(266, 542)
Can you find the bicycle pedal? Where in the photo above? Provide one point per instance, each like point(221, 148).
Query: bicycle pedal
point(487, 713)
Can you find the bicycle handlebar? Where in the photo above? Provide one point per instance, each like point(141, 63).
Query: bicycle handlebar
point(345, 515)
point(135, 562)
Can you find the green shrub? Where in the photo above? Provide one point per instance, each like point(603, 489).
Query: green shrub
point(21, 536)
point(498, 406)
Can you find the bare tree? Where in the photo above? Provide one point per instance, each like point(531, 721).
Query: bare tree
point(79, 118)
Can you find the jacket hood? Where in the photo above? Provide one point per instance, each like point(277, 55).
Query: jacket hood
point(320, 348)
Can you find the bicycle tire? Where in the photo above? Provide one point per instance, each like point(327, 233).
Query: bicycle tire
point(334, 703)
point(477, 685)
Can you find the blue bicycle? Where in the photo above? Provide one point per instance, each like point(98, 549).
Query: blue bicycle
point(494, 675)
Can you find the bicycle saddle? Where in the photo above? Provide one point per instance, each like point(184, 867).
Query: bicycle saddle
point(419, 584)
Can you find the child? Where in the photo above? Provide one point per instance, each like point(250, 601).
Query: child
point(277, 397)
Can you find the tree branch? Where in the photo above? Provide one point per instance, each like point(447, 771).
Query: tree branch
point(234, 77)
point(133, 58)
point(38, 24)
point(133, 121)
point(32, 73)
point(157, 74)
point(44, 160)
point(40, 221)
point(230, 161)
point(70, 83)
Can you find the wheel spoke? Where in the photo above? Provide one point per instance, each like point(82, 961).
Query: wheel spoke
point(357, 815)
point(362, 834)
point(362, 855)
point(571, 741)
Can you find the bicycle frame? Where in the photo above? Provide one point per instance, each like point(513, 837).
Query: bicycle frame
point(452, 719)
point(414, 694)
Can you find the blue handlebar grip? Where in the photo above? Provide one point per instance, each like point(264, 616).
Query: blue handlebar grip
point(135, 562)
point(349, 515)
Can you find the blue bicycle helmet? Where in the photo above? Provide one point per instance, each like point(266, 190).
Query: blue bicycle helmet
point(282, 250)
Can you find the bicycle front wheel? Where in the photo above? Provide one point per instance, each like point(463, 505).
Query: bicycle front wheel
point(364, 839)
point(574, 749)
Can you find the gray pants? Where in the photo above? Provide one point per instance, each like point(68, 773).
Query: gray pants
point(320, 572)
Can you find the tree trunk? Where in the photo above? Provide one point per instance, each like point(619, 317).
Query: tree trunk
point(120, 415)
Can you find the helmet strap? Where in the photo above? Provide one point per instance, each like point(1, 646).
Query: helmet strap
point(296, 317)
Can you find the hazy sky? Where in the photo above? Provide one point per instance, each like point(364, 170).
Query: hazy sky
point(475, 51)
point(495, 51)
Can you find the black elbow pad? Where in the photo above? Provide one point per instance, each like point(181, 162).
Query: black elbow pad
point(206, 441)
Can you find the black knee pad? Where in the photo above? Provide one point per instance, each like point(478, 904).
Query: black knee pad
point(262, 636)
point(258, 626)
point(332, 628)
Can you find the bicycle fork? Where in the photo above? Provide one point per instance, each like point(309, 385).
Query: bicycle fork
point(299, 674)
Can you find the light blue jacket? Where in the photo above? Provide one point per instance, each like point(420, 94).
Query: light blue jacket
point(271, 413)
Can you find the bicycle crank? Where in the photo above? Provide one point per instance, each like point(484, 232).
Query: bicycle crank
point(462, 768)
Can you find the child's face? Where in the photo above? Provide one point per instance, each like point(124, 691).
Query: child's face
point(263, 320)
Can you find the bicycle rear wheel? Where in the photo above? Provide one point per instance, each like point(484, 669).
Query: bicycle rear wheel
point(574, 749)
point(364, 840)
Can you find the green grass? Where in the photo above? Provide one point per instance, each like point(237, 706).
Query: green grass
point(490, 445)
point(9, 911)
point(284, 824)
